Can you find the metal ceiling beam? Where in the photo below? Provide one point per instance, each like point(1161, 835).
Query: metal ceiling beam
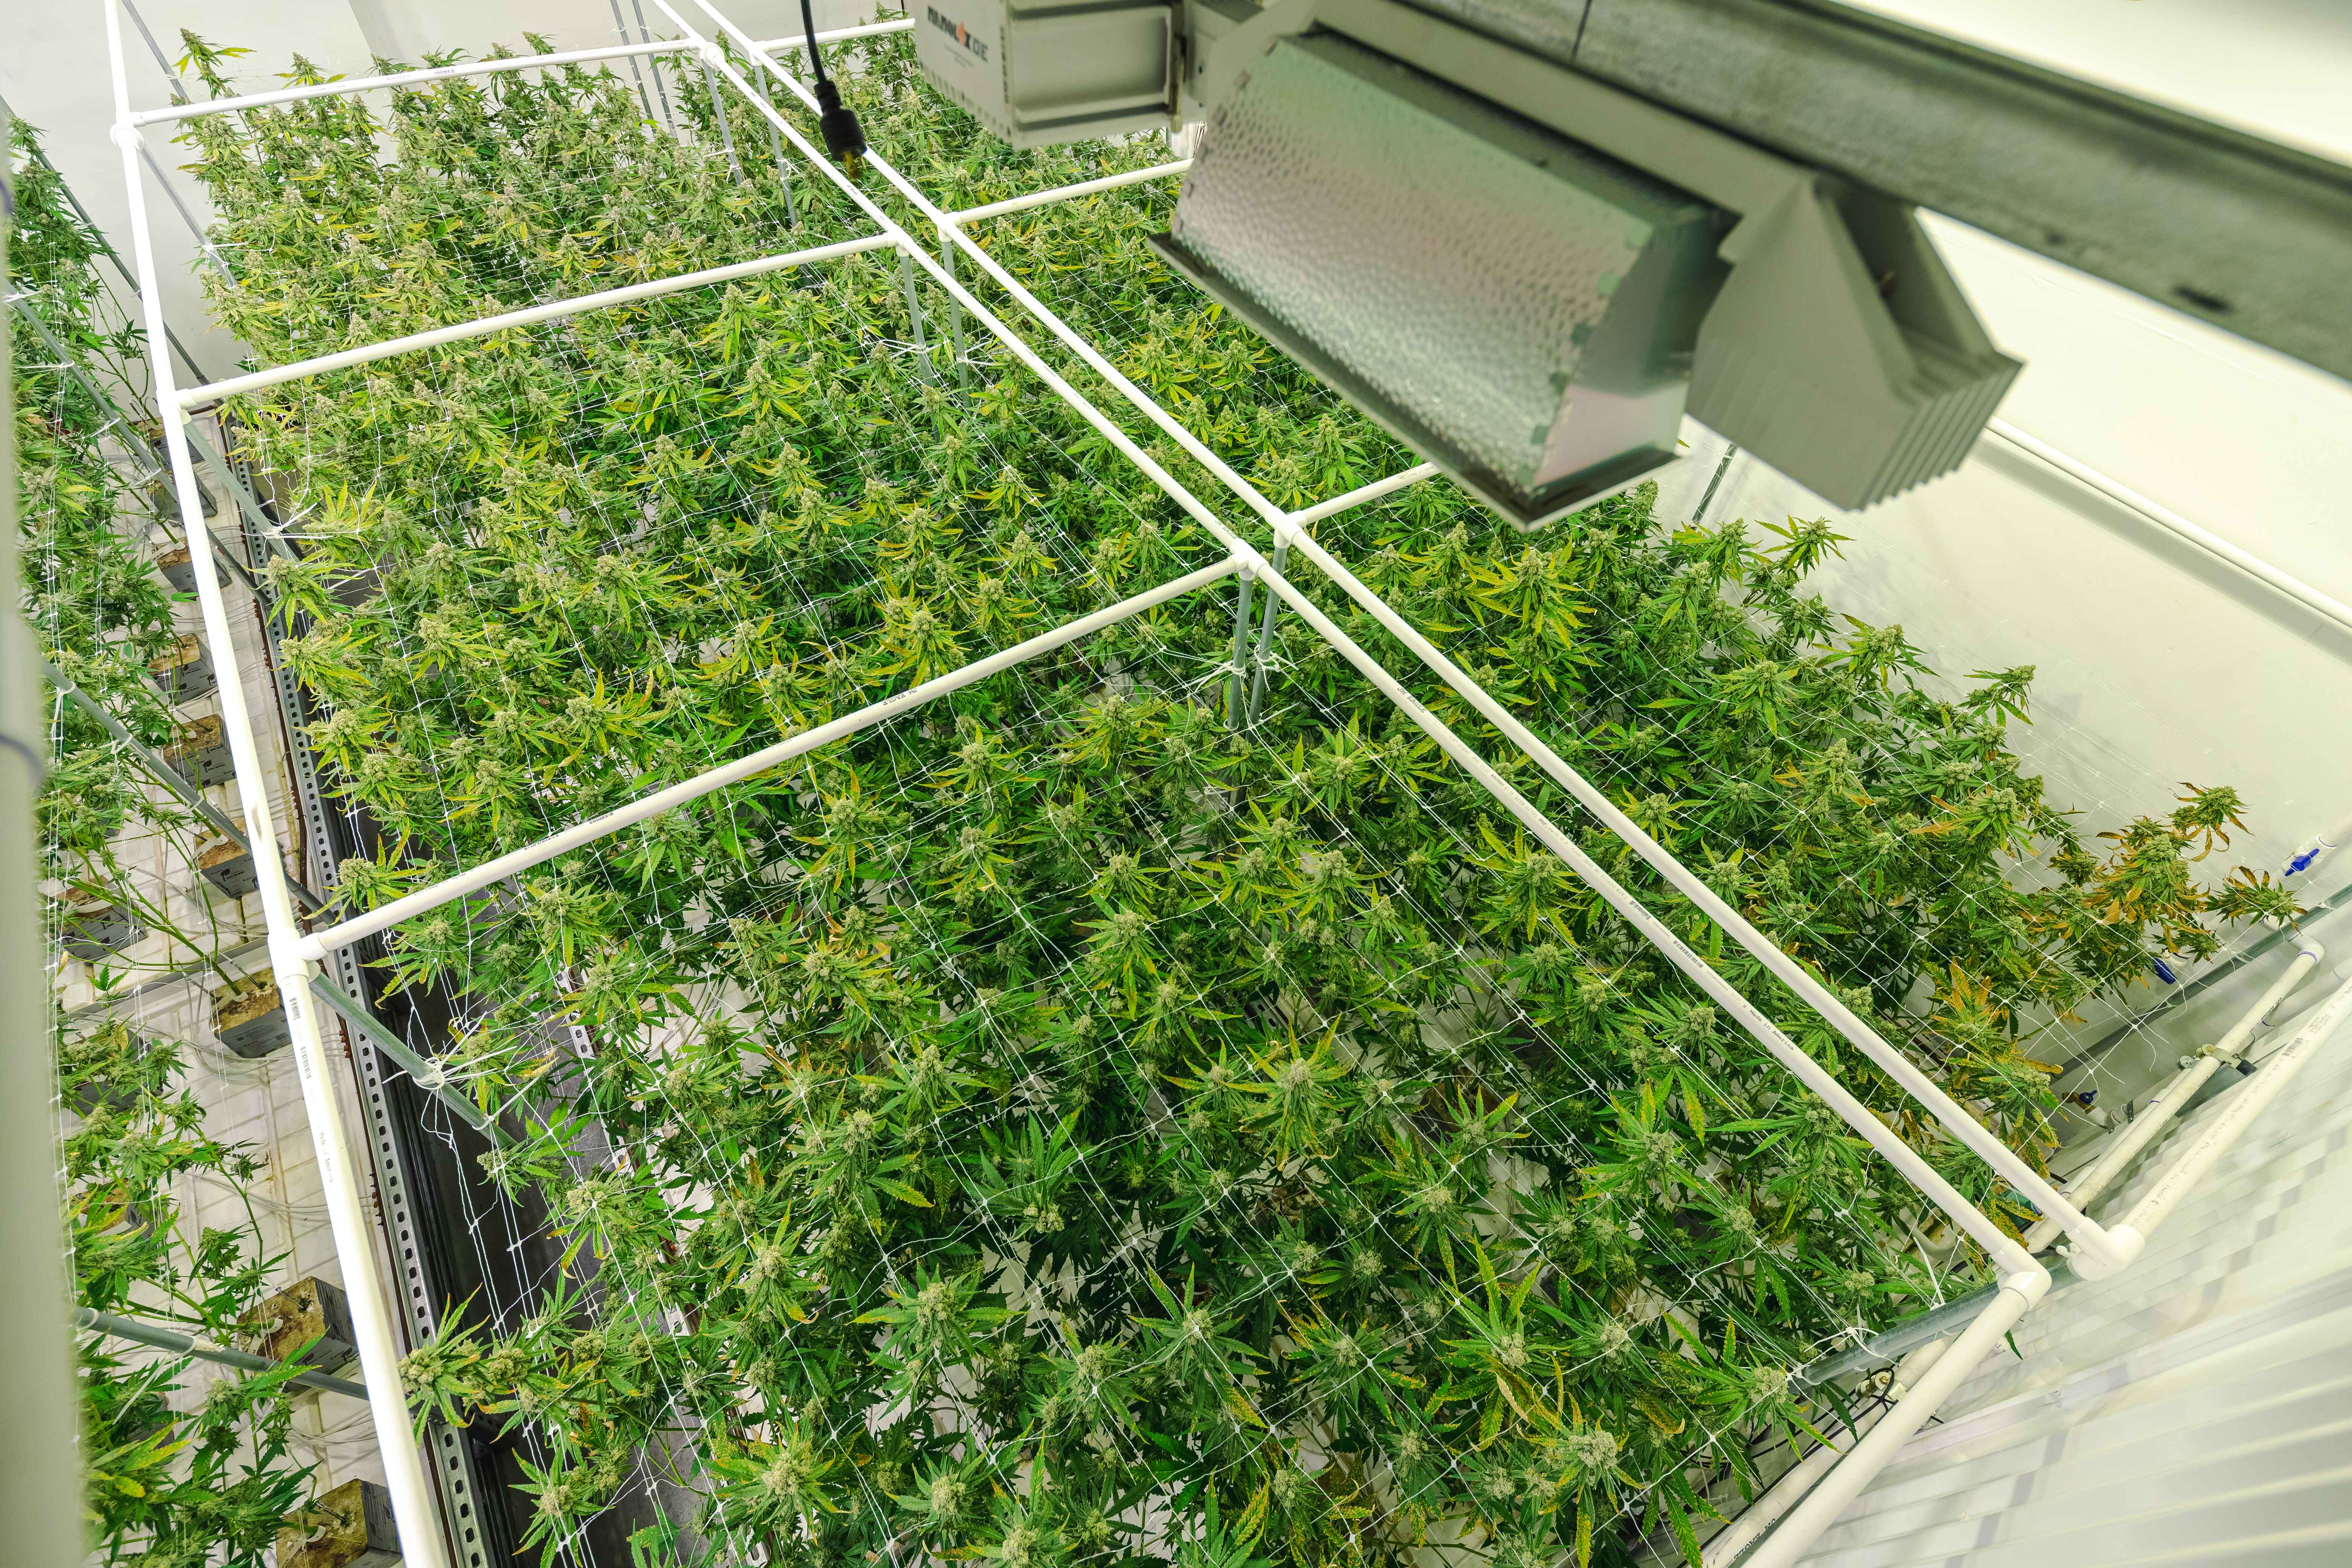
point(2250, 236)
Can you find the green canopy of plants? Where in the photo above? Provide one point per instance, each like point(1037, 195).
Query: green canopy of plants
point(1056, 1124)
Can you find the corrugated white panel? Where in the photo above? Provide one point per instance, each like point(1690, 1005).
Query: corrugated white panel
point(2196, 1408)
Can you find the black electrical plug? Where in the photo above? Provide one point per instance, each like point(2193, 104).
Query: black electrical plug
point(845, 140)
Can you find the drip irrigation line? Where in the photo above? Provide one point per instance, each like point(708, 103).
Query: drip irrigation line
point(175, 976)
point(157, 1337)
point(164, 774)
point(2221, 970)
point(427, 1075)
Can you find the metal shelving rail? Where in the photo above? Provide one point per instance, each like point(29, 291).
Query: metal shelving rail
point(2095, 1250)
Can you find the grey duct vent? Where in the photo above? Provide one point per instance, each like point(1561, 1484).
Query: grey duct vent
point(1519, 306)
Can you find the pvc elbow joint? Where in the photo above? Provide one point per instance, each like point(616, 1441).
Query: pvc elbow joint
point(2098, 1255)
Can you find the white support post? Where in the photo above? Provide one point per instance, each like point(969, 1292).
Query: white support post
point(1290, 529)
point(923, 366)
point(1265, 647)
point(955, 309)
point(1241, 643)
point(379, 1352)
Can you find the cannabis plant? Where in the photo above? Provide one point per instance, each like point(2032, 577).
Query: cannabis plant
point(1077, 1120)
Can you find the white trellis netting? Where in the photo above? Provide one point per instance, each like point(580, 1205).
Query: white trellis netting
point(295, 955)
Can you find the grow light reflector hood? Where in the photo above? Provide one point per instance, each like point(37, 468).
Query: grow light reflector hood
point(1531, 276)
point(1520, 308)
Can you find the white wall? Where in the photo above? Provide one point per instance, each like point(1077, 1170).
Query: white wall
point(2276, 67)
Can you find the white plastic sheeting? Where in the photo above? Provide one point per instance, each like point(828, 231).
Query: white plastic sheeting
point(2196, 1408)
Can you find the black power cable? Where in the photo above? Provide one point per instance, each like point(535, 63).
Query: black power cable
point(845, 141)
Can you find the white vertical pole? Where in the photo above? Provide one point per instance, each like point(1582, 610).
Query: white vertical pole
point(379, 1352)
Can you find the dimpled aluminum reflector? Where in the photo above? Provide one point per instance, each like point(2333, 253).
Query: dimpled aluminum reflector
point(1519, 306)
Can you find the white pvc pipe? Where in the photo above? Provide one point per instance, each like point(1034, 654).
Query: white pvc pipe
point(1922, 1176)
point(1728, 1543)
point(481, 68)
point(367, 354)
point(2188, 1173)
point(1354, 498)
point(688, 790)
point(363, 1285)
point(1863, 1462)
point(2164, 517)
point(2159, 1112)
point(827, 36)
point(1064, 193)
point(404, 78)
